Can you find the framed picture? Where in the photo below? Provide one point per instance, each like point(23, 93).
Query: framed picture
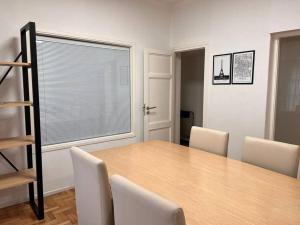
point(243, 67)
point(222, 69)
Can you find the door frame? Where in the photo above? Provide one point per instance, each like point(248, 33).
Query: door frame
point(177, 77)
point(273, 80)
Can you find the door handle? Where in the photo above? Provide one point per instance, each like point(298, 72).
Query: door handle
point(153, 107)
point(147, 109)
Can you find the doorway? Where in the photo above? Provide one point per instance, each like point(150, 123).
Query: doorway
point(189, 92)
point(283, 118)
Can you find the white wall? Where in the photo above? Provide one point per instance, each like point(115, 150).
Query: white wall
point(144, 23)
point(230, 26)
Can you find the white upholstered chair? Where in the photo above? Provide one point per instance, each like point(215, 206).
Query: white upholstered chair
point(277, 156)
point(209, 140)
point(133, 205)
point(92, 189)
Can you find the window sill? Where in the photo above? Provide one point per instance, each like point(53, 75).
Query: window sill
point(98, 140)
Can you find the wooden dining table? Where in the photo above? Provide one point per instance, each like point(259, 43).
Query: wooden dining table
point(211, 189)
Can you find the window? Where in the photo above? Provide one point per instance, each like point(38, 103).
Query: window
point(85, 90)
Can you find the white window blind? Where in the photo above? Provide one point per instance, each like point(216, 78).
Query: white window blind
point(85, 90)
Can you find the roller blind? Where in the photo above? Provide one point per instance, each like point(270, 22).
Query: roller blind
point(84, 90)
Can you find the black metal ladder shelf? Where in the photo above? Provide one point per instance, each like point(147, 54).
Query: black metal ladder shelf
point(31, 174)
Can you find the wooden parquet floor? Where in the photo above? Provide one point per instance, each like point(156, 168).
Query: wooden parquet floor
point(60, 209)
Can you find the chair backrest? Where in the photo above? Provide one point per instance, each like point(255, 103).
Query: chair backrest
point(92, 189)
point(209, 140)
point(277, 156)
point(134, 205)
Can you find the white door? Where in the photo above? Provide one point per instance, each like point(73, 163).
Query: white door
point(158, 95)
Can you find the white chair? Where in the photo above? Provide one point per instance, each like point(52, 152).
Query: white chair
point(133, 205)
point(209, 140)
point(277, 156)
point(92, 189)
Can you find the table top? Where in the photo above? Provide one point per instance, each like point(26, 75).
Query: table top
point(211, 189)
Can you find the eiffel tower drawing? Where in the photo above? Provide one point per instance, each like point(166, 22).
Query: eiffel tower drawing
point(221, 74)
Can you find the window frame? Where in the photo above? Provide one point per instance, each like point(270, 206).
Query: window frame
point(98, 140)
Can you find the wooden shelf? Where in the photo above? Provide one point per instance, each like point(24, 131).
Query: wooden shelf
point(15, 64)
point(14, 104)
point(16, 142)
point(16, 179)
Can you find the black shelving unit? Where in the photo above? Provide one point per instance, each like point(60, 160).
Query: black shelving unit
point(33, 136)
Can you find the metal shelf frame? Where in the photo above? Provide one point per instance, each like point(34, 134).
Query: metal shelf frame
point(29, 28)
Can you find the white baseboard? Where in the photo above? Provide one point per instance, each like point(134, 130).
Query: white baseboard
point(14, 202)
point(52, 192)
point(26, 199)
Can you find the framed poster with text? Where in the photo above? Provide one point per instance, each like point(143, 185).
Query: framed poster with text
point(243, 67)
